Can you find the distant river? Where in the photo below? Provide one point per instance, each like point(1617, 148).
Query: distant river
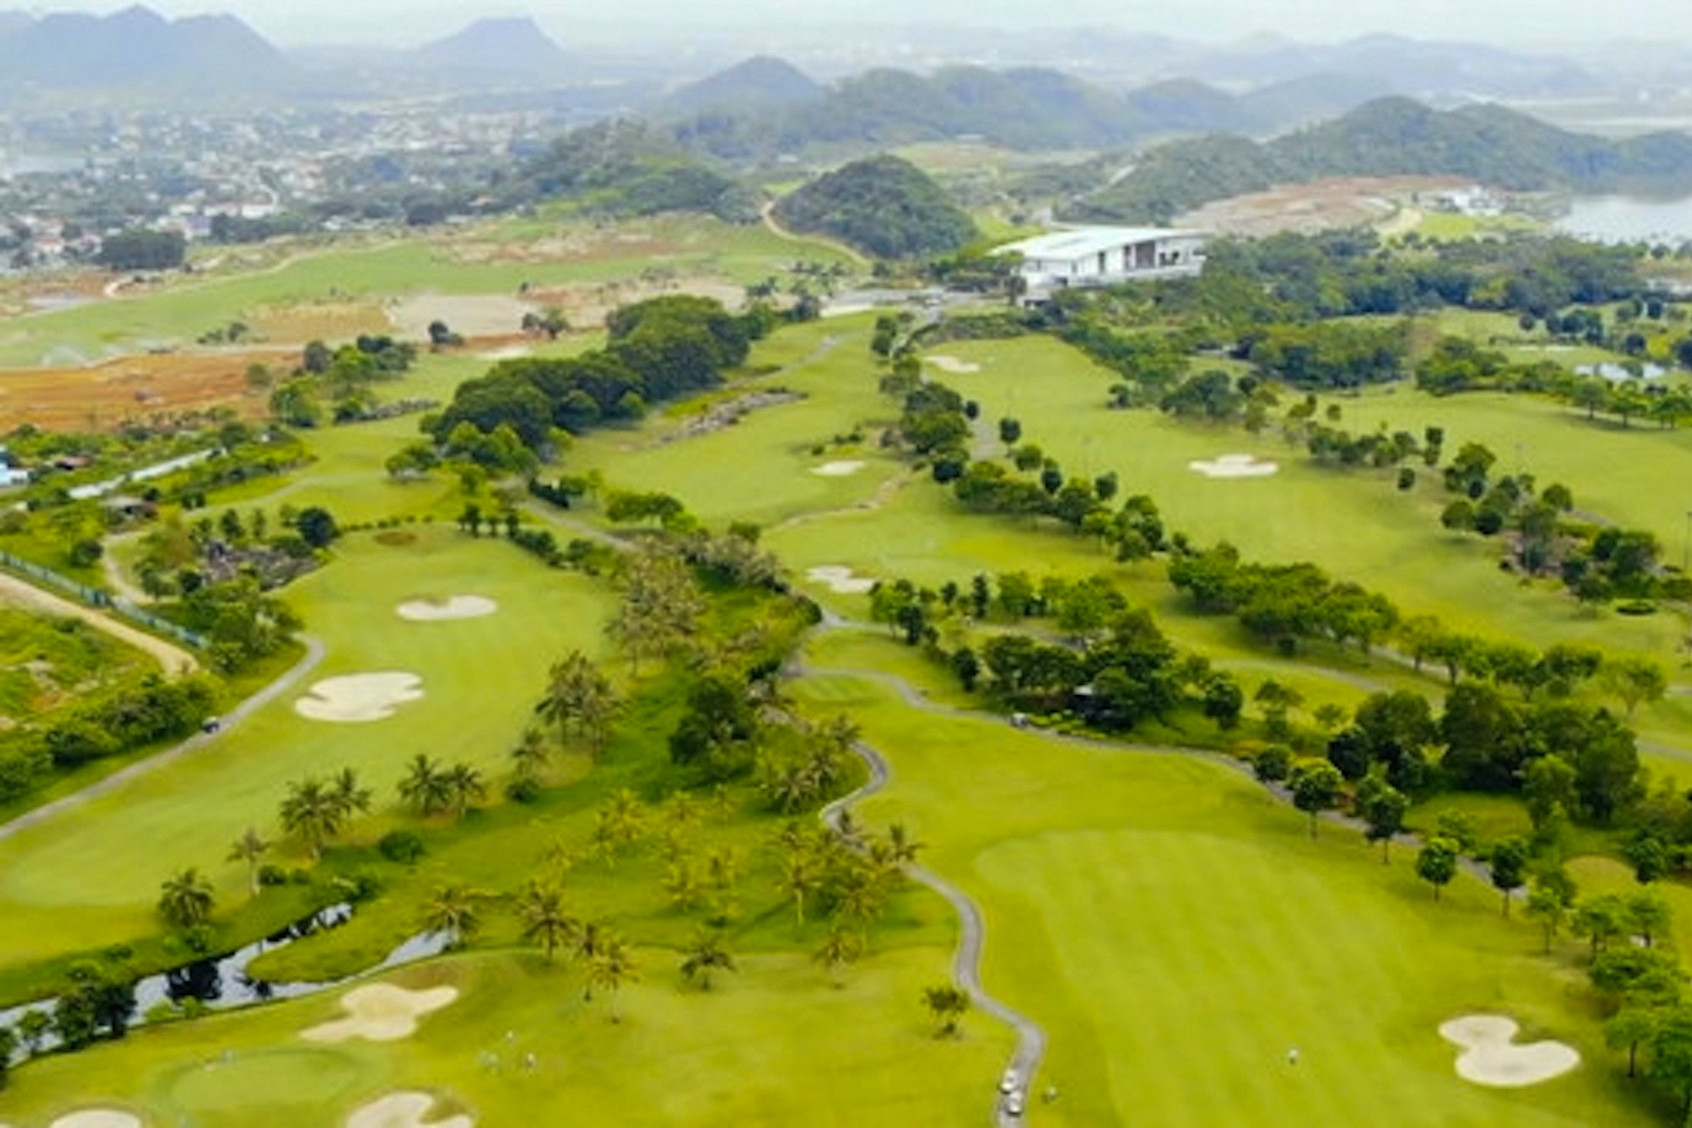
point(1629, 219)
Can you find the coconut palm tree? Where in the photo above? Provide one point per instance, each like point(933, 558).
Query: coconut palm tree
point(185, 900)
point(465, 787)
point(456, 911)
point(541, 909)
point(903, 846)
point(682, 884)
point(353, 796)
point(801, 875)
point(948, 1004)
point(425, 787)
point(840, 949)
point(611, 970)
point(578, 696)
point(250, 848)
point(705, 954)
point(314, 813)
point(531, 754)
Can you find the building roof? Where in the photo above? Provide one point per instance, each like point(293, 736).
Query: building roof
point(1079, 242)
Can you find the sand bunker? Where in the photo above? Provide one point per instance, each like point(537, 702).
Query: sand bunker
point(381, 1012)
point(359, 697)
point(1234, 466)
point(454, 607)
point(837, 469)
point(98, 1118)
point(403, 1110)
point(953, 365)
point(1489, 1056)
point(842, 581)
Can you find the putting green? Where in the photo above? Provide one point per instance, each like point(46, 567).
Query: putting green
point(272, 1083)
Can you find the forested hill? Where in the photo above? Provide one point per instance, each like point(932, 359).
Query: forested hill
point(884, 206)
point(1391, 137)
point(763, 110)
point(625, 168)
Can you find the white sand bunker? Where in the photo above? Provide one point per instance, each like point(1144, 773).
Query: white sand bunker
point(98, 1118)
point(838, 469)
point(954, 365)
point(381, 1013)
point(359, 697)
point(455, 607)
point(403, 1110)
point(1489, 1056)
point(1234, 466)
point(841, 581)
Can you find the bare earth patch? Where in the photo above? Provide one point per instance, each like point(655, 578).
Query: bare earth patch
point(473, 315)
point(953, 365)
point(403, 1110)
point(381, 1012)
point(98, 1118)
point(1491, 1057)
point(838, 469)
point(841, 580)
point(454, 607)
point(358, 698)
point(1234, 466)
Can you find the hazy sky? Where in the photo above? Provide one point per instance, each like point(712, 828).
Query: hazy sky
point(1521, 22)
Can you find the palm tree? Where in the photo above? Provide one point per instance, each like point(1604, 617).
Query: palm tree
point(465, 787)
point(862, 898)
point(704, 956)
point(840, 949)
point(619, 825)
point(425, 787)
point(531, 754)
point(250, 848)
point(352, 795)
point(541, 909)
point(611, 970)
point(313, 812)
point(578, 695)
point(903, 846)
point(801, 875)
point(947, 1004)
point(682, 884)
point(588, 942)
point(185, 900)
point(790, 786)
point(454, 910)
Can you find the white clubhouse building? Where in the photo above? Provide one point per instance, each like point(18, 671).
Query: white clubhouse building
point(1105, 256)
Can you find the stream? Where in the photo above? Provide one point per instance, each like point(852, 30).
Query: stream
point(222, 982)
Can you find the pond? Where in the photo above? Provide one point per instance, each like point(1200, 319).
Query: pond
point(1620, 373)
point(221, 982)
point(1629, 219)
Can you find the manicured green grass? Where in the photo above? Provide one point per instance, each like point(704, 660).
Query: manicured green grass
point(1176, 932)
point(773, 1043)
point(480, 677)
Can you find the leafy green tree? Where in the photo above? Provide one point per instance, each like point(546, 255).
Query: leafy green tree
point(1632, 1027)
point(948, 1004)
point(33, 1028)
point(1649, 915)
point(1634, 681)
point(1436, 863)
point(250, 849)
point(1508, 867)
point(1549, 904)
point(1600, 919)
point(1382, 807)
point(1315, 786)
point(1649, 857)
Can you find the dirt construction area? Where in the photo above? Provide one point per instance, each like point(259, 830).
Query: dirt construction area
point(101, 396)
point(1318, 206)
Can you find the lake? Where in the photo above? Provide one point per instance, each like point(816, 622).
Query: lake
point(1629, 219)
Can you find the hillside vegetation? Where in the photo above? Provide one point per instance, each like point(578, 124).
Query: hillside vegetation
point(1394, 137)
point(883, 205)
point(624, 169)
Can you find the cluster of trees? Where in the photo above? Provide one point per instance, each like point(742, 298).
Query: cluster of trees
point(1459, 365)
point(140, 249)
point(179, 558)
point(1283, 604)
point(657, 350)
point(1327, 354)
point(344, 376)
point(132, 715)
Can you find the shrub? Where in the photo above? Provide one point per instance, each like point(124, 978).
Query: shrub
point(1636, 607)
point(272, 876)
point(402, 847)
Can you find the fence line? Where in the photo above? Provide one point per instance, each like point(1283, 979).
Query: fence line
point(103, 600)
